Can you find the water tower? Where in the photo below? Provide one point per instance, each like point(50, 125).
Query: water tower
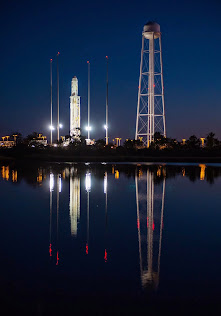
point(150, 104)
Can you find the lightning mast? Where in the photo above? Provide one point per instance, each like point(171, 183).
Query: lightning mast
point(106, 126)
point(88, 123)
point(58, 123)
point(51, 96)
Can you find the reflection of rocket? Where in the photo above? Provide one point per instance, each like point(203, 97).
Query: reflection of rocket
point(105, 192)
point(74, 201)
point(88, 189)
point(150, 207)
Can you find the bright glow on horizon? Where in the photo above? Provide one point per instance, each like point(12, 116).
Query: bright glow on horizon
point(88, 182)
point(88, 128)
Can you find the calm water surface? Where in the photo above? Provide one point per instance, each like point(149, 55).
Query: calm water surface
point(109, 239)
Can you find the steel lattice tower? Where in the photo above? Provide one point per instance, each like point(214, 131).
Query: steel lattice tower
point(150, 104)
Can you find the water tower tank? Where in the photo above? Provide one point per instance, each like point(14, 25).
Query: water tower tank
point(150, 28)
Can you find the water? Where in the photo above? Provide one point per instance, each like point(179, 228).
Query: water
point(109, 239)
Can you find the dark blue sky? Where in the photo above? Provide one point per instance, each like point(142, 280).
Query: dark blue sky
point(32, 32)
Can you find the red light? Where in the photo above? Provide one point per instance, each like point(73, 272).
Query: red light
point(107, 57)
point(50, 250)
point(50, 59)
point(147, 221)
point(105, 255)
point(138, 87)
point(154, 85)
point(88, 61)
point(138, 224)
point(153, 226)
point(57, 259)
point(86, 249)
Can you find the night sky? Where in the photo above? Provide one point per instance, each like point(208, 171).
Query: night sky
point(32, 32)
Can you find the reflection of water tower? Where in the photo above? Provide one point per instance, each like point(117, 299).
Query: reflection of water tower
point(150, 206)
point(150, 105)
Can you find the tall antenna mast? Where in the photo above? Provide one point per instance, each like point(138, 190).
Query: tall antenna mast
point(58, 125)
point(51, 95)
point(88, 124)
point(107, 106)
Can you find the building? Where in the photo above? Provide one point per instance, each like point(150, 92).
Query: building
point(7, 142)
point(75, 113)
point(39, 140)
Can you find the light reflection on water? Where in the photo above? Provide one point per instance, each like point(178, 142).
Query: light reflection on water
point(107, 224)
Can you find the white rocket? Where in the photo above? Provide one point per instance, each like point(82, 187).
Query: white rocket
point(75, 113)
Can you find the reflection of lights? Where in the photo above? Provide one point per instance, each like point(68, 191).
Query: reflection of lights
point(105, 255)
point(105, 183)
point(202, 171)
point(86, 249)
point(14, 175)
point(57, 259)
point(88, 182)
point(59, 184)
point(50, 250)
point(117, 174)
point(138, 224)
point(51, 182)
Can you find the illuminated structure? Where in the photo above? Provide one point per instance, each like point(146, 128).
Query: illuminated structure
point(150, 104)
point(75, 114)
point(202, 141)
point(7, 143)
point(150, 207)
point(74, 204)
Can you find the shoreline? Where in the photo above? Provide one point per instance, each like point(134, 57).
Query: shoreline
point(108, 159)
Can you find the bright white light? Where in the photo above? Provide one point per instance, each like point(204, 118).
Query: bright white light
point(51, 182)
point(59, 183)
point(55, 145)
point(51, 127)
point(60, 125)
point(88, 182)
point(105, 126)
point(105, 183)
point(88, 128)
